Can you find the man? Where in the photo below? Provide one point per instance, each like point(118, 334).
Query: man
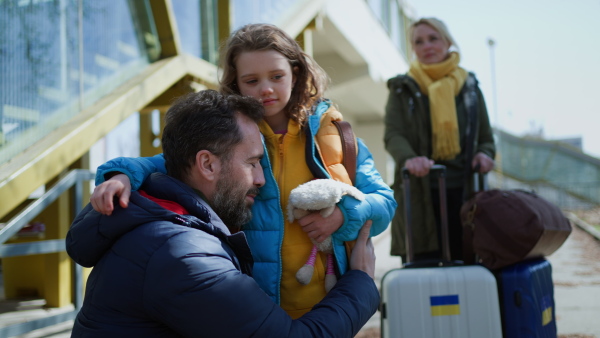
point(174, 263)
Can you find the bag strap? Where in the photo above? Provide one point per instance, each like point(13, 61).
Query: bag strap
point(468, 225)
point(349, 161)
point(348, 148)
point(313, 162)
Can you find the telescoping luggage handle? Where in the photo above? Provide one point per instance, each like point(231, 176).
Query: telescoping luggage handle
point(440, 170)
point(480, 181)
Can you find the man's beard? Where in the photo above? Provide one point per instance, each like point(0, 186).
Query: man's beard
point(230, 204)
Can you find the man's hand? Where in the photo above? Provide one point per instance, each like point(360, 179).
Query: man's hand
point(318, 227)
point(363, 254)
point(485, 163)
point(102, 197)
point(418, 166)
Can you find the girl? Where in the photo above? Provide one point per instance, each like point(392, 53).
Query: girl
point(262, 61)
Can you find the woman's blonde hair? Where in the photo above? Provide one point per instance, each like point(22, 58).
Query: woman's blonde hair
point(311, 80)
point(436, 24)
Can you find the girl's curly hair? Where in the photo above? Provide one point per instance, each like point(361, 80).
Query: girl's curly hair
point(311, 79)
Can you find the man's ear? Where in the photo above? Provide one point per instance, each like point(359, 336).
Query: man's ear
point(207, 165)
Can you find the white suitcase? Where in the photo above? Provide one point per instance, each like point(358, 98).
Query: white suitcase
point(443, 299)
point(453, 302)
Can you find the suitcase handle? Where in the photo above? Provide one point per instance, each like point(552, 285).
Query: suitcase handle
point(480, 182)
point(440, 170)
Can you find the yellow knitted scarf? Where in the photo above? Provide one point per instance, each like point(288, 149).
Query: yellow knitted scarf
point(441, 82)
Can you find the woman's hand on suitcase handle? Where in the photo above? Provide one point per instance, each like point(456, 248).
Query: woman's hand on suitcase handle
point(482, 163)
point(363, 254)
point(418, 166)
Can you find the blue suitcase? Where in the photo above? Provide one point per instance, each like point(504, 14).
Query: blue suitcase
point(526, 297)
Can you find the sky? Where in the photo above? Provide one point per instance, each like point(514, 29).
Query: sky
point(546, 59)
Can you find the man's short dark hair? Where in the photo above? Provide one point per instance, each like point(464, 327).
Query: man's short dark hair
point(204, 121)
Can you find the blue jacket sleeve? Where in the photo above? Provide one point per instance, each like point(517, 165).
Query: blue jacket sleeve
point(379, 204)
point(137, 169)
point(206, 296)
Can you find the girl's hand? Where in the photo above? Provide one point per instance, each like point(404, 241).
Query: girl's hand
point(485, 163)
point(319, 228)
point(102, 197)
point(418, 166)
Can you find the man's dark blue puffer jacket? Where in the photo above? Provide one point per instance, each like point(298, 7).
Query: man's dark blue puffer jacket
point(160, 274)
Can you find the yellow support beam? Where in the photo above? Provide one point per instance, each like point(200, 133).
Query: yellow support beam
point(21, 282)
point(225, 13)
point(305, 40)
point(148, 147)
point(166, 27)
point(149, 140)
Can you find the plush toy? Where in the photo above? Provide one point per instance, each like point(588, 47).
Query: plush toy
point(320, 195)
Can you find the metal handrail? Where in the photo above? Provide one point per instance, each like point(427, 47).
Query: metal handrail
point(74, 178)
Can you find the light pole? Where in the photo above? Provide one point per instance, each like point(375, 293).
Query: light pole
point(498, 168)
point(492, 44)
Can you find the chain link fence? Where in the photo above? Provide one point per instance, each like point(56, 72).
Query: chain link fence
point(558, 172)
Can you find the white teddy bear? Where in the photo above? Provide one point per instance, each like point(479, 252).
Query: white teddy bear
point(319, 195)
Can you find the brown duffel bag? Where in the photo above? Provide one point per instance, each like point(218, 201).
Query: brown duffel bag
point(504, 227)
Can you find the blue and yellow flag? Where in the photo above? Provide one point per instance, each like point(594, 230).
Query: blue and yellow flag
point(447, 305)
point(546, 305)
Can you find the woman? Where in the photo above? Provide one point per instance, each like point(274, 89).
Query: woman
point(435, 114)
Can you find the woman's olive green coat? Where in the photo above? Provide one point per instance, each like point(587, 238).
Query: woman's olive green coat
point(408, 134)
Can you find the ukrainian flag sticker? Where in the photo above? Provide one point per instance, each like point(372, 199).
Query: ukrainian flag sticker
point(447, 305)
point(546, 305)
